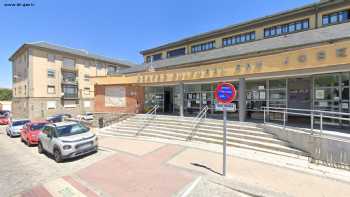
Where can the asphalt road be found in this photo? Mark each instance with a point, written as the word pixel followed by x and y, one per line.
pixel 22 167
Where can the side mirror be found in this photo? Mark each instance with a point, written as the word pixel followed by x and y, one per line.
pixel 49 135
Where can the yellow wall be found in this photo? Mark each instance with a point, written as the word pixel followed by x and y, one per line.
pixel 259 29
pixel 284 61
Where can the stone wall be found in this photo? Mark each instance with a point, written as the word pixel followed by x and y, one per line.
pixel 36 108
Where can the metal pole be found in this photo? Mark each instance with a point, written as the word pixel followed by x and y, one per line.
pixel 312 123
pixel 284 119
pixel 264 115
pixel 321 122
pixel 224 144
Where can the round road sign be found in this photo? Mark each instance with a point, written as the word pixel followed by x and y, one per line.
pixel 225 93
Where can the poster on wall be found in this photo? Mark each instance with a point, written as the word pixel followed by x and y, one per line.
pixel 115 97
pixel 319 94
pixel 262 95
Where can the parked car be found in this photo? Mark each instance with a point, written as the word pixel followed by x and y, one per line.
pixel 86 116
pixel 58 118
pixel 5 113
pixel 67 140
pixel 14 128
pixel 30 132
pixel 4 120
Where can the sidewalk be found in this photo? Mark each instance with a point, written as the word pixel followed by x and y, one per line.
pixel 145 168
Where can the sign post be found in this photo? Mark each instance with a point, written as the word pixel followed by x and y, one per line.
pixel 225 93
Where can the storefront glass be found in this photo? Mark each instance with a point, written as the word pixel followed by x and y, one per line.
pixel 256 98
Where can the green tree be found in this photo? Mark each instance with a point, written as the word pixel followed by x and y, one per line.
pixel 5 94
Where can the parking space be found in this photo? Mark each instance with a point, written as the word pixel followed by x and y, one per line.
pixel 21 167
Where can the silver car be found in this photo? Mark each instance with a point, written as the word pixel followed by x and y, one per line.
pixel 67 140
pixel 15 126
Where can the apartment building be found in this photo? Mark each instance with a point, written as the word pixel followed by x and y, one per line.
pixel 50 79
pixel 297 59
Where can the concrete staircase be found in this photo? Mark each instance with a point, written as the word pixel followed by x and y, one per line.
pixel 241 135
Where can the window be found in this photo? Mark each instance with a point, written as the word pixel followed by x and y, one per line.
pixel 148 59
pixel 69 77
pixel 155 57
pixel 50 57
pixel 70 91
pixel 111 70
pixel 50 73
pixel 51 89
pixel 87 104
pixel 86 91
pixel 68 63
pixel 86 77
pixel 203 47
pixel 286 28
pixel 176 52
pixel 69 104
pixel 336 17
pixel 242 38
pixel 51 104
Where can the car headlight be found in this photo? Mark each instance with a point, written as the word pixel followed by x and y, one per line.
pixel 67 147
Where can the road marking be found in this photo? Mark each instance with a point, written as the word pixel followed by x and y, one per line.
pixel 61 188
pixel 191 188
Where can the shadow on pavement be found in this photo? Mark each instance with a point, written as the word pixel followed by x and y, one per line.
pixel 205 167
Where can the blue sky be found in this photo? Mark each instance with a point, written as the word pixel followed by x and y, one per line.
pixel 120 29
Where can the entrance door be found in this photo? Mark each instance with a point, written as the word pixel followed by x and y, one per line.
pixel 168 100
pixel 299 93
pixel 299 97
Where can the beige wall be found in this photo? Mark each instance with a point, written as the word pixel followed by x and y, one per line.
pixel 83 67
pixel 20 73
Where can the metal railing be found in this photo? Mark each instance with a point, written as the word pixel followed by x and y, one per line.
pixel 313 114
pixel 195 122
pixel 150 115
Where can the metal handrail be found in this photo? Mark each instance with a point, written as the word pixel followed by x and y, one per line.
pixel 150 115
pixel 313 114
pixel 202 114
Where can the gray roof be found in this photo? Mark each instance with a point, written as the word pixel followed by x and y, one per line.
pixel 230 28
pixel 78 52
pixel 314 36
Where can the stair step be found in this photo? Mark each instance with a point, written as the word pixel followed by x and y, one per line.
pixel 248 136
pixel 291 153
pixel 218 135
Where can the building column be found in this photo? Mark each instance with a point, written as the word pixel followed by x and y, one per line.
pixel 242 100
pixel 181 85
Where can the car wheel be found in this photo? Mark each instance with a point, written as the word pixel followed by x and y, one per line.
pixel 40 148
pixel 28 143
pixel 57 155
pixel 22 140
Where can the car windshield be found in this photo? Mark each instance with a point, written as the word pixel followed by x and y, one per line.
pixel 89 114
pixel 19 123
pixel 73 129
pixel 38 126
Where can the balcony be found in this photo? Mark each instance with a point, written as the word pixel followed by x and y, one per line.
pixel 66 81
pixel 69 68
pixel 68 96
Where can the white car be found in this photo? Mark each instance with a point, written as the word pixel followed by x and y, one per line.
pixel 15 126
pixel 67 140
pixel 86 116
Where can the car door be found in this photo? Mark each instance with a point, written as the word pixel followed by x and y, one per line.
pixel 50 139
pixel 44 138
pixel 24 132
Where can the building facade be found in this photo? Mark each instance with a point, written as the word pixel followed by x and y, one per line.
pixel 50 79
pixel 295 59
